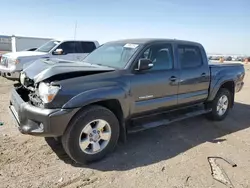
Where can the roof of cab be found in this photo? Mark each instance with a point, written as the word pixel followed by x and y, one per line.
pixel 74 40
pixel 152 40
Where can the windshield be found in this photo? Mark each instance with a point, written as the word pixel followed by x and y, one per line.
pixel 48 46
pixel 112 54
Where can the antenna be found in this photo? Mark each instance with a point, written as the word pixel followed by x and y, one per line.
pixel 75 30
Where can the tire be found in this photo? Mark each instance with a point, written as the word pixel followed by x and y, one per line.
pixel 215 114
pixel 79 131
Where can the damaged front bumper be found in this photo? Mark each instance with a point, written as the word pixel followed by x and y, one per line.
pixel 37 121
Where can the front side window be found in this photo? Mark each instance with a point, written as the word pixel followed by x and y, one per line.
pixel 68 47
pixel 48 46
pixel 114 55
pixel 189 56
pixel 161 55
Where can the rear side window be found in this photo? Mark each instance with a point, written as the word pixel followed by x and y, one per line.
pixel 87 47
pixel 189 56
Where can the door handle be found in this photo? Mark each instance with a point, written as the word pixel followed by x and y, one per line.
pixel 203 74
pixel 172 78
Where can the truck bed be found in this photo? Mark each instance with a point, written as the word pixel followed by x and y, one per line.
pixel 214 64
pixel 221 72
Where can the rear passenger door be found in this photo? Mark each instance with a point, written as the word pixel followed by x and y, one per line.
pixel 194 74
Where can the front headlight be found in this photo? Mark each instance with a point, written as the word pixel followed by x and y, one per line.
pixel 22 78
pixel 47 92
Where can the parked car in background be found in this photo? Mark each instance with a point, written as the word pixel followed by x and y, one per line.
pixel 239 59
pixel 123 86
pixel 215 58
pixel 12 63
pixel 234 58
pixel 228 58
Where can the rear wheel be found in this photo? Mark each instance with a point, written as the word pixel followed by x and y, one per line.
pixel 91 135
pixel 220 105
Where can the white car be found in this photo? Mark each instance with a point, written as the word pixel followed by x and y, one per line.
pixel 75 50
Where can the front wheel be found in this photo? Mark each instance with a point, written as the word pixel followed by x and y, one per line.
pixel 92 134
pixel 220 105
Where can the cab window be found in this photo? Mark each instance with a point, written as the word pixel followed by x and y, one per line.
pixel 161 55
pixel 189 56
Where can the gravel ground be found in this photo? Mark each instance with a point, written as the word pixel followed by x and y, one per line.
pixel 173 156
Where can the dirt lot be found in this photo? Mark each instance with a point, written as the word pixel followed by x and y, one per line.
pixel 173 156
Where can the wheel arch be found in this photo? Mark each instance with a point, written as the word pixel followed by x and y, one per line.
pixel 115 107
pixel 229 85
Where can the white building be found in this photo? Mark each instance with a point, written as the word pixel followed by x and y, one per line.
pixel 19 43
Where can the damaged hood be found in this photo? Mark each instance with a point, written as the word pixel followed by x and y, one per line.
pixel 43 69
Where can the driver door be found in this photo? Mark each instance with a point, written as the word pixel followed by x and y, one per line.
pixel 69 51
pixel 156 89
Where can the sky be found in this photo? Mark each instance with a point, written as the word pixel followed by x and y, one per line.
pixel 222 26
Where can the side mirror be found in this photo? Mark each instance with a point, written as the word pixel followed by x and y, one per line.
pixel 144 64
pixel 58 52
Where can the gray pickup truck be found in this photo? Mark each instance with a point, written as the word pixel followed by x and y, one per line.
pixel 123 86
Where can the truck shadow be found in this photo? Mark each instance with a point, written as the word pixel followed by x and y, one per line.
pixel 154 145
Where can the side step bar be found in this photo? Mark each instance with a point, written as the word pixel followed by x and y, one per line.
pixel 165 118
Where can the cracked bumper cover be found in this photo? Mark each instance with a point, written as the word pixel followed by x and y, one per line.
pixel 37 121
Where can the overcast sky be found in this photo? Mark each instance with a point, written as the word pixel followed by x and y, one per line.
pixel 222 26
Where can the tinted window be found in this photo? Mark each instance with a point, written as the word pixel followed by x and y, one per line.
pixel 87 47
pixel 189 56
pixel 161 56
pixel 68 47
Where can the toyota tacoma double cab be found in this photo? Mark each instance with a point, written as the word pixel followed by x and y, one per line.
pixel 121 87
